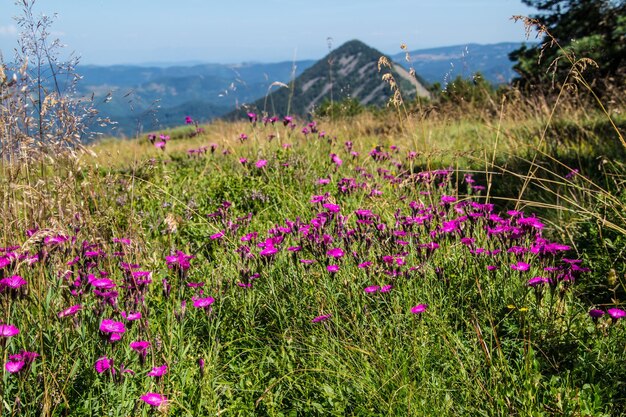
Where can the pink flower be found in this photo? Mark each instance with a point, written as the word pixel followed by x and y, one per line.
pixel 140 346
pixel 154 399
pixel 333 208
pixel 14 282
pixel 420 308
pixel 13 367
pixel 203 302
pixel 616 313
pixel 371 289
pixel 386 288
pixel 70 311
pixel 131 316
pixel 158 371
pixel 520 266
pixel 332 268
pixel 8 330
pixel 188 120
pixel 260 163
pixel 102 364
pixel 268 251
pixel 321 318
pixel 160 145
pixel 335 253
pixel 112 326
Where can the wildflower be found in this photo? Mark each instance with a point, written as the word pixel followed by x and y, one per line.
pixel 158 371
pixel 188 120
pixel 160 145
pixel 371 289
pixel 203 302
pixel 418 309
pixel 154 399
pixel 333 208
pixel 112 326
pixel 139 345
pixel 243 137
pixel 386 288
pixel 269 250
pixel 131 316
pixel 595 313
pixel 70 311
pixel 252 117
pixel 217 235
pixel 616 313
pixel 364 265
pixel 321 318
pixel 17 362
pixel 332 268
pixel 14 282
pixel 520 266
pixel 260 163
pixel 102 364
pixel 8 330
pixel 534 282
pixel 335 253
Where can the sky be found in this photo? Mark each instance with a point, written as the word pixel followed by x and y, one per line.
pixel 107 32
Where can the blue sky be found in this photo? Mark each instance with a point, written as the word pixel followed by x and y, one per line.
pixel 227 31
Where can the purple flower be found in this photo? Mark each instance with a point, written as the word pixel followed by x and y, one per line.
pixel 217 235
pixel 112 326
pixel 188 120
pixel 595 313
pixel 158 371
pixel 616 313
pixel 520 266
pixel 131 316
pixel 321 318
pixel 203 302
pixel 386 288
pixel 335 253
pixel 534 282
pixel 13 367
pixel 260 163
pixel 14 282
pixel 70 311
pixel 8 330
pixel 418 309
pixel 333 208
pixel 332 268
pixel 269 250
pixel 102 364
pixel 364 265
pixel 154 399
pixel 371 289
pixel 140 346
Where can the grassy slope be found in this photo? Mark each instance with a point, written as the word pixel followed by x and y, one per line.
pixel 487 344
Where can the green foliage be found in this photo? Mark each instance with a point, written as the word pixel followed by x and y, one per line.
pixel 571 30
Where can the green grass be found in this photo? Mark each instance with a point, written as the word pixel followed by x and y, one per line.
pixel 488 344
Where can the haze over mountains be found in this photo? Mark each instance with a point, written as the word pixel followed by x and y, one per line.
pixel 142 98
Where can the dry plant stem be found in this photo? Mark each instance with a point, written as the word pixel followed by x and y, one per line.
pixel 489 169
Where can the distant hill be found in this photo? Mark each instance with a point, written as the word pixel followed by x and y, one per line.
pixel 134 95
pixel 153 97
pixel 350 71
pixel 444 64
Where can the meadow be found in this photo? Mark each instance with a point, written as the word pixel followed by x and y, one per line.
pixel 464 260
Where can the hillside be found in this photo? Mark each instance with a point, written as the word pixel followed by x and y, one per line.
pixel 350 71
pixel 442 65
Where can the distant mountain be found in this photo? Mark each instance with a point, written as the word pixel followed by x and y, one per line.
pixel 442 65
pixel 131 94
pixel 350 71
pixel 157 96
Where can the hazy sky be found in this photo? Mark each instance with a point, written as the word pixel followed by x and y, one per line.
pixel 232 31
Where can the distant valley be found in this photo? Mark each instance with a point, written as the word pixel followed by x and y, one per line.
pixel 146 98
